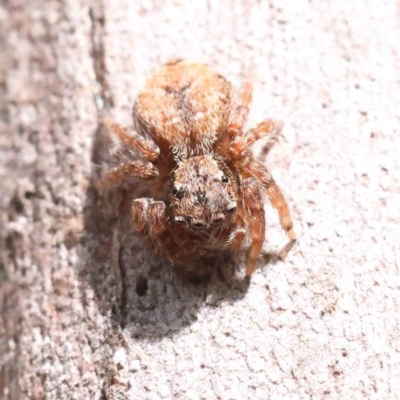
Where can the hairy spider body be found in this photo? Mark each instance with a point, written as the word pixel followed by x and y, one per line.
pixel 207 190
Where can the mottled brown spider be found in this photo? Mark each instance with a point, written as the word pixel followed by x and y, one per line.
pixel 207 189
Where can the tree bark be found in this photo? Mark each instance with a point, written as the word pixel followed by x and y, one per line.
pixel 87 312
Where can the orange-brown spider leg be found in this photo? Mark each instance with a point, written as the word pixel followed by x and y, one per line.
pixel 120 174
pixel 144 146
pixel 253 202
pixel 241 112
pixel 258 170
pixel 237 236
pixel 243 141
pixel 149 216
pixel 237 119
pixel 279 203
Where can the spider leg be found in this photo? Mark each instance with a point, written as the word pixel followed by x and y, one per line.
pixel 145 147
pixel 253 202
pixel 237 236
pixel 259 171
pixel 241 112
pixel 149 216
pixel 279 203
pixel 237 119
pixel 242 142
pixel 118 175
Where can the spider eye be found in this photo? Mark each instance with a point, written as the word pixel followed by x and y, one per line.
pixel 178 193
pixel 180 220
pixel 225 179
pixel 197 225
pixel 231 208
pixel 218 220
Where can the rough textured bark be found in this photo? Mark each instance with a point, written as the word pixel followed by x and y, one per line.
pixel 323 324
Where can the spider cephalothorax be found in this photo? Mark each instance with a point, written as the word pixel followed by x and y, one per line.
pixel 204 194
pixel 194 151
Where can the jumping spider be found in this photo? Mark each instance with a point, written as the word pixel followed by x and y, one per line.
pixel 207 189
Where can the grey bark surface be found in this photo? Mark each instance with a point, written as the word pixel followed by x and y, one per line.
pixel 322 324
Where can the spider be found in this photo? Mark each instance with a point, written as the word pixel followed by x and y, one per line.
pixel 194 153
